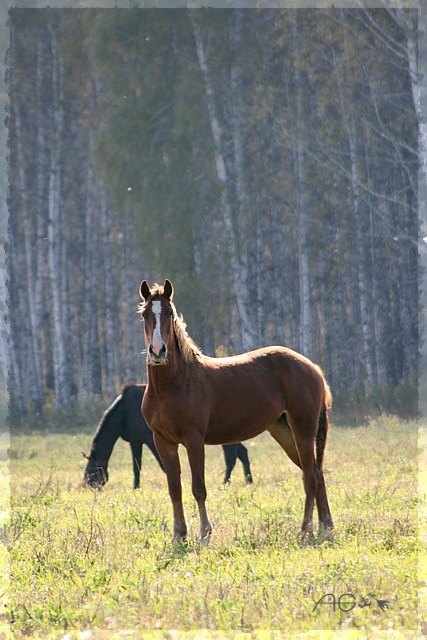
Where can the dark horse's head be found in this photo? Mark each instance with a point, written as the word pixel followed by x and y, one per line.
pixel 157 312
pixel 96 472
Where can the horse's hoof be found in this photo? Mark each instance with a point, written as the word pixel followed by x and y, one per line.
pixel 306 536
pixel 205 537
pixel 204 542
pixel 179 538
pixel 326 532
pixel 249 479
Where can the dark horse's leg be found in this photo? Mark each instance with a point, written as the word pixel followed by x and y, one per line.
pixel 136 447
pixel 149 441
pixel 168 452
pixel 242 454
pixel 195 446
pixel 230 456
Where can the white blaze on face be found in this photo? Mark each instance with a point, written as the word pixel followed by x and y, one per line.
pixel 157 342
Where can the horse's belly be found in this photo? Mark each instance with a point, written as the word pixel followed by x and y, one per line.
pixel 226 431
pixel 231 436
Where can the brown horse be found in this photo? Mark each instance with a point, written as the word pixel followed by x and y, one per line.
pixel 193 400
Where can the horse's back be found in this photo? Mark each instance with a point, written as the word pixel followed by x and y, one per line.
pixel 249 392
pixel 134 426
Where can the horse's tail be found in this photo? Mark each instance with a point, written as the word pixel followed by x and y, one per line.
pixel 327 398
pixel 323 425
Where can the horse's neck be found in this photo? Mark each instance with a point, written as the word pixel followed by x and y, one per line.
pixel 174 373
pixel 106 437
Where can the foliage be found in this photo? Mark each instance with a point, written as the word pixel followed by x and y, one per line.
pixel 120 136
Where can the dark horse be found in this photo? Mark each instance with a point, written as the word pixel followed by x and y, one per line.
pixel 124 419
pixel 192 399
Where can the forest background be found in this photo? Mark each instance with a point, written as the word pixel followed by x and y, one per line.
pixel 265 160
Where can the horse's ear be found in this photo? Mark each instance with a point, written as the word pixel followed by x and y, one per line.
pixel 144 290
pixel 168 289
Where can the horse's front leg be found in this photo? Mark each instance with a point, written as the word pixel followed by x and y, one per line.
pixel 196 456
pixel 168 452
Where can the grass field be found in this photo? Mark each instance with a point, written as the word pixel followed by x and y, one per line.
pixel 82 562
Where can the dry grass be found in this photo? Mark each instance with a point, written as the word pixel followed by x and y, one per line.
pixel 86 562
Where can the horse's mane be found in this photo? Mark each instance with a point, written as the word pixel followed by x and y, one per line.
pixel 189 349
pixel 103 424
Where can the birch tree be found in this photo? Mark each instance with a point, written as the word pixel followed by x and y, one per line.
pixel 56 228
pixel 237 268
pixel 302 214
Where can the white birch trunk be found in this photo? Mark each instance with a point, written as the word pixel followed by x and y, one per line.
pixel 55 234
pixel 110 292
pixel 91 375
pixel 376 330
pixel 302 218
pixel 362 289
pixel 42 199
pixel 4 329
pixel 17 295
pixel 133 340
pixel 236 266
pixel 109 306
pixel 259 266
pixel 34 378
pixel 422 126
pixel 361 271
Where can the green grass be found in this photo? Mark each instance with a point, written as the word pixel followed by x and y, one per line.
pixel 104 561
pixel 4 515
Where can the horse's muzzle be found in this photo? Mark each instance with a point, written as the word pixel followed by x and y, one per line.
pixel 96 479
pixel 158 358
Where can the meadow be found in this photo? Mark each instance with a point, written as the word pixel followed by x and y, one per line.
pixel 88 564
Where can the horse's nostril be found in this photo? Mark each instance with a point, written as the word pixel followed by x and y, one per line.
pixel 150 349
pixel 162 350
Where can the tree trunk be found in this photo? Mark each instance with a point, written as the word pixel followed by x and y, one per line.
pixel 18 363
pixel 241 208
pixel 238 277
pixel 362 280
pixel 109 296
pixel 376 330
pixel 56 232
pixel 305 345
pixel 42 203
pixel 133 367
pixel 27 257
pixel 91 364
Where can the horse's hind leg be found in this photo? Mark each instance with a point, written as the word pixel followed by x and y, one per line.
pixel 283 435
pixel 325 518
pixel 136 448
pixel 303 432
pixel 242 454
pixel 230 457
